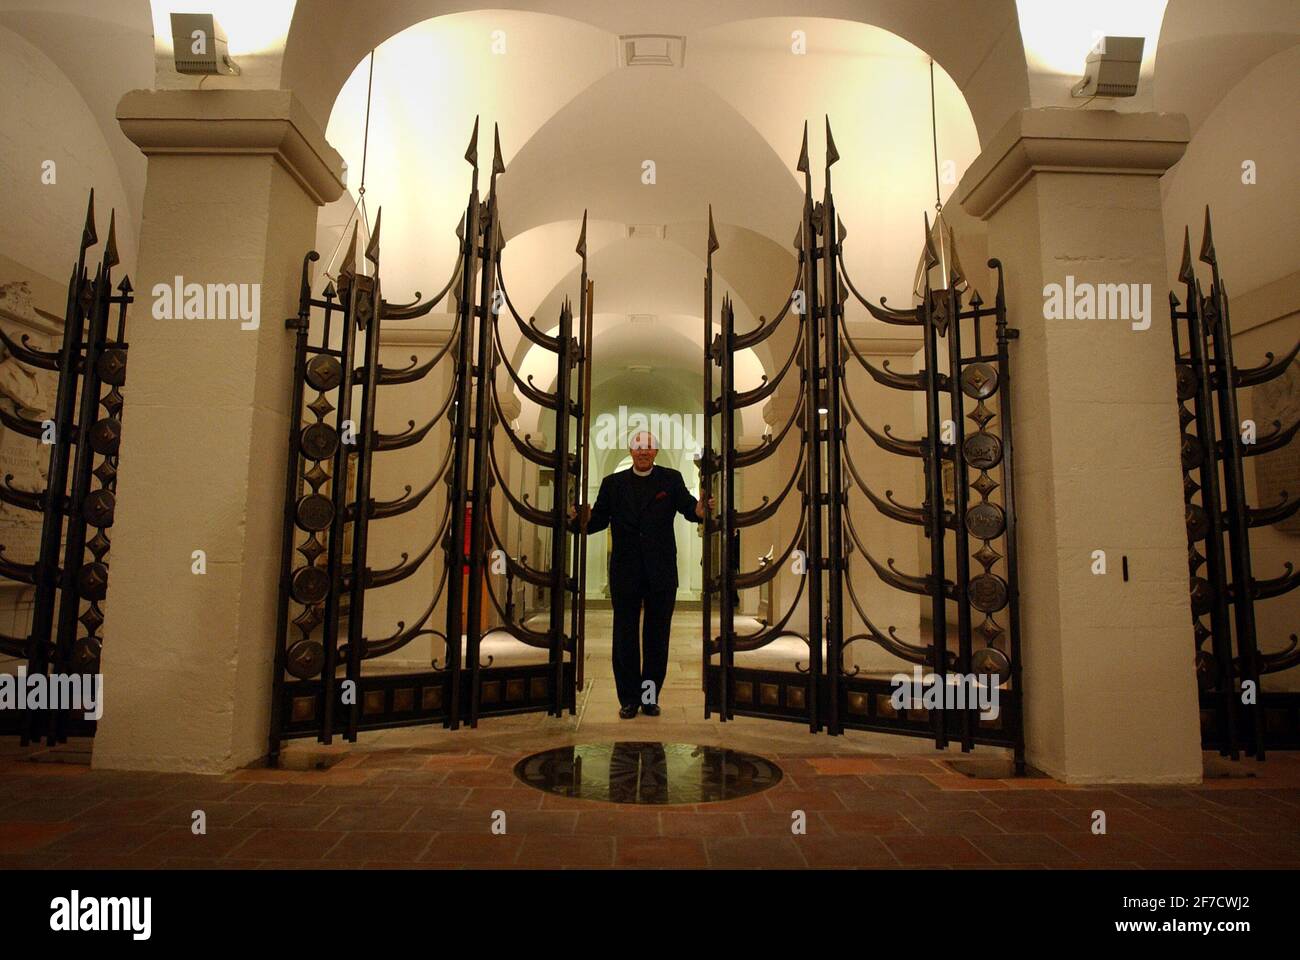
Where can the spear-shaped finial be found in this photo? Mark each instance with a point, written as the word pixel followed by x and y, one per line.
pixel 931 256
pixel 1185 272
pixel 372 248
pixel 831 153
pixel 349 266
pixel 802 165
pixel 88 236
pixel 581 248
pixel 498 165
pixel 110 248
pixel 1207 241
pixel 713 234
pixel 471 152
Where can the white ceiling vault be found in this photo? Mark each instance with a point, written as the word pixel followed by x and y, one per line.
pixel 722 128
pixel 722 124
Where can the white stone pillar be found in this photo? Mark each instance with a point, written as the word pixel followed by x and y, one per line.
pixel 234 182
pixel 1108 664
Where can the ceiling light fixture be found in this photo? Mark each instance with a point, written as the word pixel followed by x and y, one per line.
pixel 1112 68
pixel 199 46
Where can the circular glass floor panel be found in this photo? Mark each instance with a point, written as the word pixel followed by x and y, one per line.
pixel 641 772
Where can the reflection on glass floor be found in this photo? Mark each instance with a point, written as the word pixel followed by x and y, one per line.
pixel 651 773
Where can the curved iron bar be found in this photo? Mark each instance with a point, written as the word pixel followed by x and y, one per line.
pixel 538 578
pixel 898 381
pixel 903 381
pixel 747 518
pixel 409 311
pixel 521 633
pixel 887 314
pixel 543 458
pixel 382 509
pixel 540 397
pixel 1281 659
pixel 911 583
pixel 761 638
pixel 407 438
pixel 391 575
pixel 910 652
pixel 747 398
pixel 526 511
pixel 404 635
pixel 20 424
pixel 886 441
pixel 529 329
pixel 1274 586
pixel 905 448
pixel 755 578
pixel 766 328
pixel 1253 376
pixel 13 646
pixel 379 509
pixel 895 510
pixel 889 506
pixel 30 499
pixel 1260 516
pixel 532 638
pixel 747 458
pixel 1276 440
pixel 411 436
pixel 28 354
pixel 413 373
pixel 22 572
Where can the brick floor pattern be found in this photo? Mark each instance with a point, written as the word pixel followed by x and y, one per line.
pixel 426 807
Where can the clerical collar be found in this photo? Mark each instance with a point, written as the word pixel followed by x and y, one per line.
pixel 643 474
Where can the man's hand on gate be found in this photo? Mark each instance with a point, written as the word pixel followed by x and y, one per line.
pixel 700 507
pixel 586 515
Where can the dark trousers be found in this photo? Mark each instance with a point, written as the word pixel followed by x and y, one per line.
pixel 632 668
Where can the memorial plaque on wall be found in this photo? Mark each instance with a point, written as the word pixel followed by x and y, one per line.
pixel 1280 470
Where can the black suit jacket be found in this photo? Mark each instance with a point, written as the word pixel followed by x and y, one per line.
pixel 645 551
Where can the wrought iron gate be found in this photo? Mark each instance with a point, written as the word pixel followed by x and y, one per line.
pixel 83 430
pixel 1236 713
pixel 970 383
pixel 321 686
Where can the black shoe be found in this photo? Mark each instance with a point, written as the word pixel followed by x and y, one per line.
pixel 650 709
pixel 627 713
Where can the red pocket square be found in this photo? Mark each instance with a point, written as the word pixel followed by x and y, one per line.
pixel 661 494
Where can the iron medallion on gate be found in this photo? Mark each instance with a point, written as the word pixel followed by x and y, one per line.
pixel 979 381
pixel 309 584
pixel 306 657
pixel 319 441
pixel 988 593
pixel 986 520
pixel 314 512
pixel 983 451
pixel 324 372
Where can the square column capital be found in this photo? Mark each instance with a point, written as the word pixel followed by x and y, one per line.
pixel 1061 140
pixel 238 123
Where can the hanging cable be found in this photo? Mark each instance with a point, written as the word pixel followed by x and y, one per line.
pixel 934 134
pixel 361 188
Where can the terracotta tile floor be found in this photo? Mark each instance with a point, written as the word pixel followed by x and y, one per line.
pixel 433 806
pixel 425 797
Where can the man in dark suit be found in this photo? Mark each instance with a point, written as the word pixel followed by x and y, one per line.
pixel 638 506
